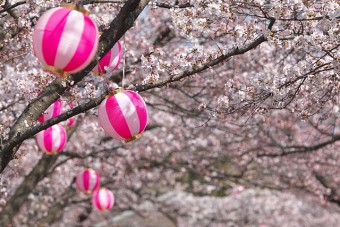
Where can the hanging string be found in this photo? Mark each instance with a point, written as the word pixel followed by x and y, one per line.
pixel 124 54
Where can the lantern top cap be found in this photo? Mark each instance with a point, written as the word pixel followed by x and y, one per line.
pixel 115 91
pixel 133 138
pixel 78 8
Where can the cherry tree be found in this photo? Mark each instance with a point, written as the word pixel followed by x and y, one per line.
pixel 239 93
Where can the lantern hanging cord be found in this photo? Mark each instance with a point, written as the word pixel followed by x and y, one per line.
pixel 124 54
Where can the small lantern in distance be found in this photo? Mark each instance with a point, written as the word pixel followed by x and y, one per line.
pixel 103 199
pixel 52 111
pixel 88 181
pixel 70 122
pixel 52 140
pixel 110 61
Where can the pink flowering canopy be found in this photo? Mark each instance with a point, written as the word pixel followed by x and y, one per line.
pixel 240 96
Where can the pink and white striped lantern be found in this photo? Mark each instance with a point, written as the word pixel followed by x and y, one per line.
pixel 123 116
pixel 52 140
pixel 65 40
pixel 110 61
pixel 103 199
pixel 52 111
pixel 88 181
pixel 70 122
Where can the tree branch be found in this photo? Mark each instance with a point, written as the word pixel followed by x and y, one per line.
pixel 289 150
pixel 220 59
pixel 168 6
pixel 8 8
pixel 19 138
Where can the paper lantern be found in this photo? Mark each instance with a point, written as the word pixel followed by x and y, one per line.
pixel 52 140
pixel 110 61
pixel 65 40
pixel 88 181
pixel 123 116
pixel 70 122
pixel 52 111
pixel 103 199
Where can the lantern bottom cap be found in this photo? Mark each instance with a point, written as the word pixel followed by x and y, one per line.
pixel 104 210
pixel 133 138
pixel 97 74
pixel 51 153
pixel 88 192
pixel 78 8
pixel 55 70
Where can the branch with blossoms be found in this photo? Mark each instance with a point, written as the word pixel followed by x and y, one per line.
pixel 22 133
pixel 178 6
pixel 7 7
pixel 334 192
pixel 23 127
